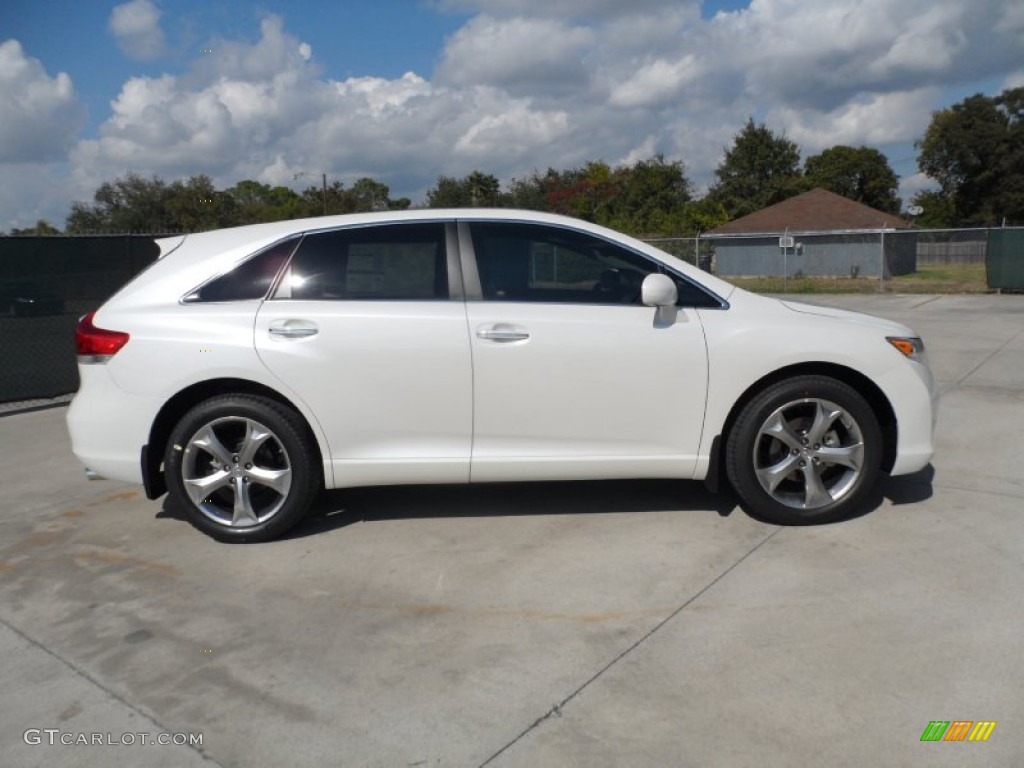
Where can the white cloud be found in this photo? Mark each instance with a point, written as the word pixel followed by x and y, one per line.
pixel 39 115
pixel 913 184
pixel 528 84
pixel 276 51
pixel 261 111
pixel 136 27
pixel 30 192
pixel 657 82
pixel 519 55
pixel 517 131
pixel 877 119
pixel 563 8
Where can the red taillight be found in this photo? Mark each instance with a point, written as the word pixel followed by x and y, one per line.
pixel 97 345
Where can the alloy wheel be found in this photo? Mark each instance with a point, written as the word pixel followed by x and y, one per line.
pixel 236 471
pixel 809 453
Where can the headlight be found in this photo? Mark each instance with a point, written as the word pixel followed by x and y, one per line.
pixel 911 346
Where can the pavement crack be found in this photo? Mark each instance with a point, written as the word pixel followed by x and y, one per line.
pixel 998 493
pixel 956 384
pixel 927 301
pixel 106 689
pixel 556 709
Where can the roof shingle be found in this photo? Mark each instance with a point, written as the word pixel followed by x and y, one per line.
pixel 817 210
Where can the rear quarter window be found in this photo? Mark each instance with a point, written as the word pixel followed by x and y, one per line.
pixel 252 279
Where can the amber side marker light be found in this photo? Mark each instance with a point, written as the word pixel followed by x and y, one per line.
pixel 910 347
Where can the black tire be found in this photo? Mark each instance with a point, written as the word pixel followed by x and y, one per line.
pixel 248 445
pixel 779 449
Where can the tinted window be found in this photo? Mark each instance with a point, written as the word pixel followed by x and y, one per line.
pixel 532 262
pixel 249 280
pixel 397 261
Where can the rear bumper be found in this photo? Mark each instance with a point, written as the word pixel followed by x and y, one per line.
pixel 108 426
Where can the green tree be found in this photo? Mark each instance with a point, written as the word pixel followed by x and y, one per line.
pixel 937 210
pixel 255 202
pixel 320 201
pixel 532 192
pixel 371 195
pixel 448 192
pixel 760 169
pixel 128 204
pixel 974 150
pixel 703 216
pixel 586 193
pixel 477 190
pixel 136 204
pixel 652 197
pixel 196 206
pixel 42 227
pixel 859 173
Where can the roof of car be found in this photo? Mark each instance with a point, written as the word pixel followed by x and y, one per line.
pixel 269 231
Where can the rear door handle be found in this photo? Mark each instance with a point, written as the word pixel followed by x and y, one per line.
pixel 292 329
pixel 502 334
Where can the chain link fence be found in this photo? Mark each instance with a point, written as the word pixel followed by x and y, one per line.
pixel 48 282
pixel 825 260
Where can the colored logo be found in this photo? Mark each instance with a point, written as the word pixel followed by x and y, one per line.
pixel 958 730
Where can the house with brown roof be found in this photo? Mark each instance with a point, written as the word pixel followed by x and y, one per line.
pixel 817 233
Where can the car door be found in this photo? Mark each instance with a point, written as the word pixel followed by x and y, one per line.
pixel 573 377
pixel 368 328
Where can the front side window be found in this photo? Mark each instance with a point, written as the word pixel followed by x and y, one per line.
pixel 537 263
pixel 249 280
pixel 395 261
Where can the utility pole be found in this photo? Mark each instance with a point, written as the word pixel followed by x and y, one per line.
pixel 881 258
pixel 323 176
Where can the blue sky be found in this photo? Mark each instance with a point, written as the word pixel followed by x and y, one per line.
pixel 404 91
pixel 385 38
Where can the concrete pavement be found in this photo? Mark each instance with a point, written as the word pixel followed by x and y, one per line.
pixel 596 624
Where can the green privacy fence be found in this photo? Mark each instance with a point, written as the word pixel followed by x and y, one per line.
pixel 1004 261
pixel 46 284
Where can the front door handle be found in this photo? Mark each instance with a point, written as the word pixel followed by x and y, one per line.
pixel 502 334
pixel 291 330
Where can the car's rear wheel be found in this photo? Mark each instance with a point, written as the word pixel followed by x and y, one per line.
pixel 241 468
pixel 805 450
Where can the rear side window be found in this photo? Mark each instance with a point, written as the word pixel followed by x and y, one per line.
pixel 394 261
pixel 251 279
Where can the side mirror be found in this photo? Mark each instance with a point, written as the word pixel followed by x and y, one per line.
pixel 658 290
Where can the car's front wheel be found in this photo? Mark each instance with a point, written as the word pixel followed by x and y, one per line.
pixel 241 468
pixel 805 450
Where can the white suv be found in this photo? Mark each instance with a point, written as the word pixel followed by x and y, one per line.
pixel 249 368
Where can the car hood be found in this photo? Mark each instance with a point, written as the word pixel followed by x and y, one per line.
pixel 887 326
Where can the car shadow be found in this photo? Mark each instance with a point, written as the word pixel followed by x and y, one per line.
pixel 909 489
pixel 340 508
